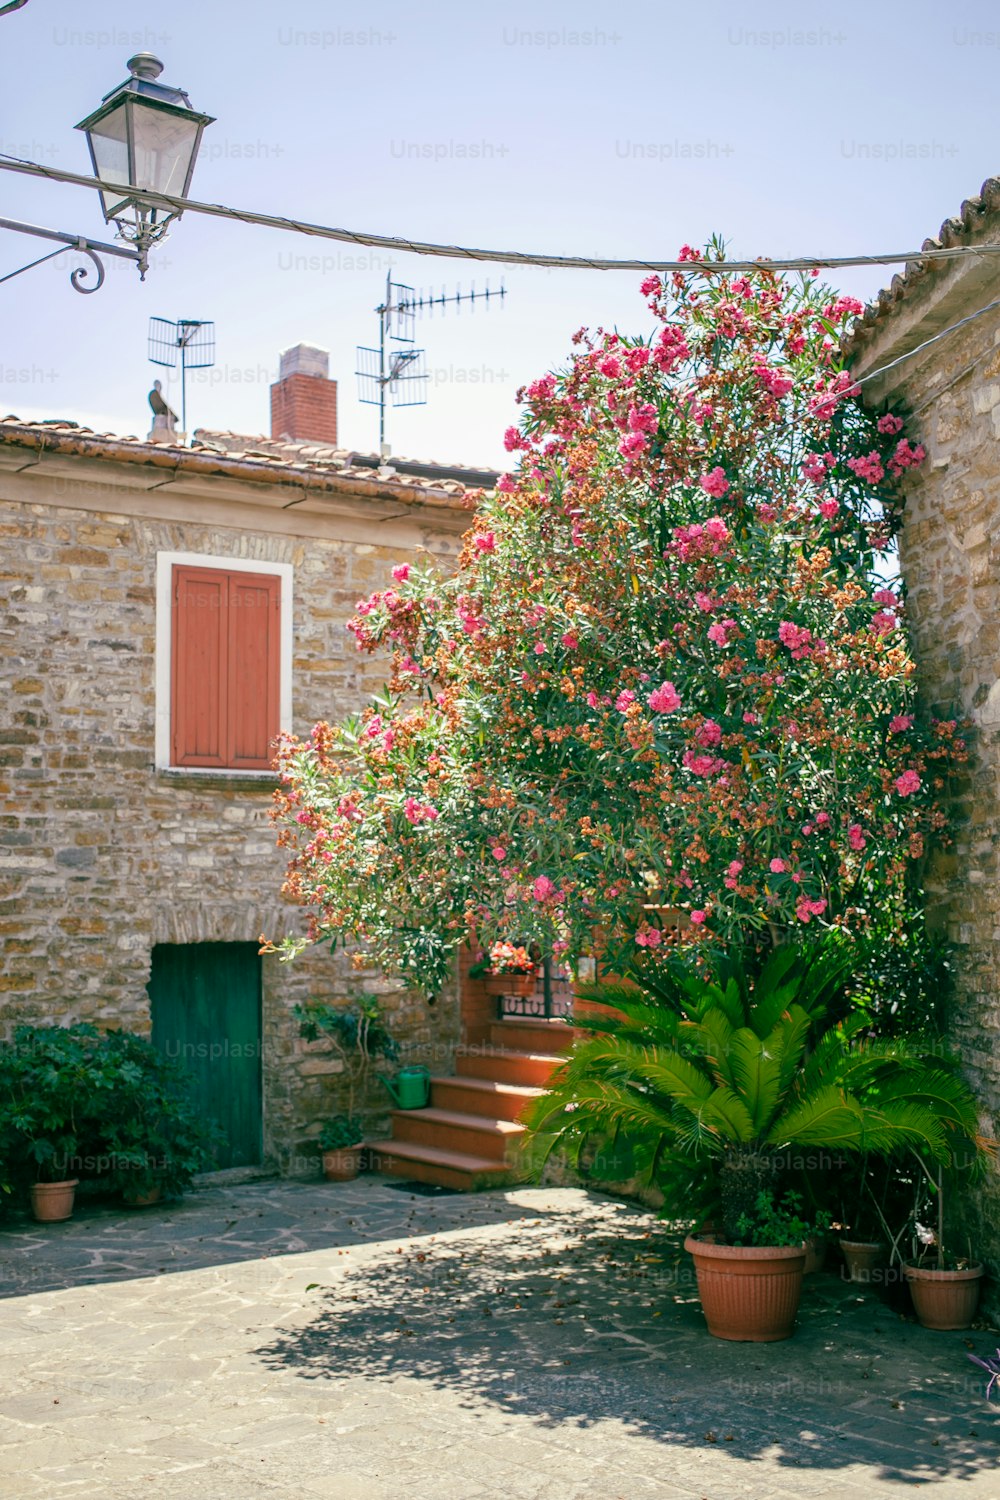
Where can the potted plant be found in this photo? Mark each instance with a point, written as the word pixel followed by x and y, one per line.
pixel 944 1287
pixel 717 1069
pixel 510 970
pixel 357 1033
pixel 340 1145
pixel 750 1286
pixel 47 1085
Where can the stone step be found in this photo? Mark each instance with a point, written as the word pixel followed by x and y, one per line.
pixel 475 1135
pixel 533 1068
pixel 527 1035
pixel 483 1096
pixel 454 1169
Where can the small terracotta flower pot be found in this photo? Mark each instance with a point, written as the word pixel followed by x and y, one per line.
pixel 749 1293
pixel 944 1299
pixel 52 1202
pixel 815 1254
pixel 143 1200
pixel 343 1164
pixel 865 1260
pixel 522 985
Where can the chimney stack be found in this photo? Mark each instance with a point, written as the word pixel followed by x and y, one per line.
pixel 304 401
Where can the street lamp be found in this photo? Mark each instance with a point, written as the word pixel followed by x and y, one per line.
pixel 144 139
pixel 144 135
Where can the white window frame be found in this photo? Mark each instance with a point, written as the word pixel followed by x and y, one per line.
pixel 165 564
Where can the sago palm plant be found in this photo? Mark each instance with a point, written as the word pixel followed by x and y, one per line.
pixel 713 1077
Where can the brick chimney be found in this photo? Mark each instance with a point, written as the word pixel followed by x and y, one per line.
pixel 304 401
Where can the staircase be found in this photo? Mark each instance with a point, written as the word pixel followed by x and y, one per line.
pixel 467 1136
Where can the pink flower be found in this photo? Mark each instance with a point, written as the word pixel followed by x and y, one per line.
pixel 869 468
pixel 624 700
pixel 543 889
pixel 882 623
pixel 777 867
pixel 856 837
pixel 651 287
pixel 610 366
pixel 822 820
pixel 499 853
pixel 543 389
pixel 795 637
pixel 698 917
pixel 651 938
pixel 592 699
pixel 571 640
pixel 718 631
pixel 732 873
pixel 664 699
pixel 705 602
pixel 401 572
pixel 418 812
pixel 804 908
pixel 710 734
pixel 633 445
pixel 750 717
pixel 714 483
pixel 890 423
pixel 539 648
pixel 828 509
pixel 900 723
pixel 716 528
pixel 701 765
pixel 908 783
pixel 886 597
pixel 643 418
pixel 484 541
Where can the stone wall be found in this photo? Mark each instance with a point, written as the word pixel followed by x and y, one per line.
pixel 101 855
pixel 950 560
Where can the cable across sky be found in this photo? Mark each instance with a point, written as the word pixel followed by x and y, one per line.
pixel 494 257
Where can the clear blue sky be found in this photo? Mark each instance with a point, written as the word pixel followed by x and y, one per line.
pixel 619 130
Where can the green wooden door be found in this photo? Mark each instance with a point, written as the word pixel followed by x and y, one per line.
pixel 205 1000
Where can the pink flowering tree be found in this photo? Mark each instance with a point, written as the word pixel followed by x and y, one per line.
pixel 667 690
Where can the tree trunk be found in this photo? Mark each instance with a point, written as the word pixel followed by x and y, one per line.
pixel 747 1171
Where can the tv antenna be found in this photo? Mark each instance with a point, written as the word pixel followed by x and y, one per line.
pixel 400 375
pixel 188 342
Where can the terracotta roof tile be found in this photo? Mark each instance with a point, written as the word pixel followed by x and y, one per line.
pixel 260 459
pixel 970 225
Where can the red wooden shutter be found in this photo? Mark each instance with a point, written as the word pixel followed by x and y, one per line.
pixel 225 668
pixel 254 669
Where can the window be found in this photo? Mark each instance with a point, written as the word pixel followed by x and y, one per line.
pixel 223 662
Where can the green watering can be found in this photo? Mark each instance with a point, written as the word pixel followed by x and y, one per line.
pixel 412 1088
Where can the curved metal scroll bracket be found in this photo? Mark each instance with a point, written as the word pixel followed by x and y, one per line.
pixel 79 274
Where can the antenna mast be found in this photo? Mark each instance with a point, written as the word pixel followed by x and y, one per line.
pixel 401 373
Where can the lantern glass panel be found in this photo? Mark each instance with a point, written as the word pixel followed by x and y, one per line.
pixel 164 149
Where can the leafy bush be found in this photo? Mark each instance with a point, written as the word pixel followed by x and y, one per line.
pixel 717 1078
pixel 77 1102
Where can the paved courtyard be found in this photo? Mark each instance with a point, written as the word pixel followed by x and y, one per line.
pixel 360 1342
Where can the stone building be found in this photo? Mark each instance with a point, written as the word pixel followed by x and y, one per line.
pixel 163 612
pixel 950 560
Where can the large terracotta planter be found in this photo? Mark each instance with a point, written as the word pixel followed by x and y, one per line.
pixel 749 1293
pixel 522 985
pixel 51 1202
pixel 343 1164
pixel 944 1299
pixel 864 1259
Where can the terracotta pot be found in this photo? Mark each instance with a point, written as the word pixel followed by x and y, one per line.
pixel 815 1254
pixel 143 1200
pixel 523 985
pixel 343 1164
pixel 865 1260
pixel 944 1299
pixel 53 1201
pixel 749 1293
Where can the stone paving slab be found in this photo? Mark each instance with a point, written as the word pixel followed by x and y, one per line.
pixel 281 1339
